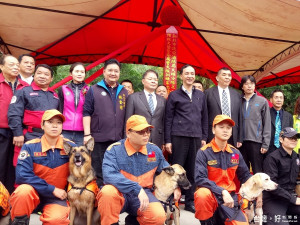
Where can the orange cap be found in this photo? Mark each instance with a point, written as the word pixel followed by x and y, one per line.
pixel 137 123
pixel 221 118
pixel 48 114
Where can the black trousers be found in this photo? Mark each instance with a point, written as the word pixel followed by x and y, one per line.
pixel 184 150
pixel 7 170
pixel 280 212
pixel 97 159
pixel 251 154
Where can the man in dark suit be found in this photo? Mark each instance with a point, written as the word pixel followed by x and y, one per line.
pixel 223 100
pixel 152 107
pixel 278 123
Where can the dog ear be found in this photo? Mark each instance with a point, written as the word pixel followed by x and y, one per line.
pixel 67 147
pixel 169 170
pixel 257 180
pixel 90 144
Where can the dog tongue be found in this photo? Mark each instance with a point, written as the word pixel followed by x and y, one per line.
pixel 78 163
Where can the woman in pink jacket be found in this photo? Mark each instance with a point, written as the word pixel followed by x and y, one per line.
pixel 72 97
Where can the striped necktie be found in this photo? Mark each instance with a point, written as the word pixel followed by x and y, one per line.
pixel 151 104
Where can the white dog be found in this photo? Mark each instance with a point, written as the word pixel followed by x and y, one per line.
pixel 253 188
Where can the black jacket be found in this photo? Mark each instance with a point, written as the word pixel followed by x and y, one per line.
pixel 184 116
pixel 283 169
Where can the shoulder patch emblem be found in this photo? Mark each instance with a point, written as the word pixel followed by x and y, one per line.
pixel 112 145
pixel 13 99
pixel 23 155
pixel 212 162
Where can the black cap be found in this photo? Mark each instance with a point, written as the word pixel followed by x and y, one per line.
pixel 289 132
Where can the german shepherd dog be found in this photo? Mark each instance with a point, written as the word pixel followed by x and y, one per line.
pixel 164 186
pixel 82 188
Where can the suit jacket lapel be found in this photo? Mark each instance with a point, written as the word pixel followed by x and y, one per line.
pixel 159 103
pixel 144 100
pixel 217 96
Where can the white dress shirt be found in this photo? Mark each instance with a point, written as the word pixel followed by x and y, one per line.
pixel 153 98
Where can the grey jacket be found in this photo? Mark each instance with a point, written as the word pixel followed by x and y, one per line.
pixel 257 121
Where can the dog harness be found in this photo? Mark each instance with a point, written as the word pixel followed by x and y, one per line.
pixel 91 186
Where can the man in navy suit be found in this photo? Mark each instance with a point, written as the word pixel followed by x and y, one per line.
pixel 216 106
pixel 285 119
pixel 151 107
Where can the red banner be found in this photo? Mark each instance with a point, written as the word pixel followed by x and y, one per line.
pixel 170 69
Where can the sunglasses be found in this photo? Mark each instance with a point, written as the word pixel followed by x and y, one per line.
pixel 142 132
pixel 292 138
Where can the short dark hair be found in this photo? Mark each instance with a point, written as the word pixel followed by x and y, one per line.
pixel 3 57
pixel 149 71
pixel 76 64
pixel 245 79
pixel 45 66
pixel 276 90
pixel 21 57
pixel 111 61
pixel 162 85
pixel 223 68
pixel 198 82
pixel 126 80
pixel 185 66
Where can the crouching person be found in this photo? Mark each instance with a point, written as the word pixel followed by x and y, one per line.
pixel 217 163
pixel 4 201
pixel 42 172
pixel 129 167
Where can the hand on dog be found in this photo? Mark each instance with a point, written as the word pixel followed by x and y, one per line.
pixel 60 193
pixel 228 200
pixel 168 147
pixel 144 200
pixel 177 194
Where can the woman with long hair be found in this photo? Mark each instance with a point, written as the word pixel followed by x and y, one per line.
pixel 72 97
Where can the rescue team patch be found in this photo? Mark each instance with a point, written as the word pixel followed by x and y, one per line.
pixel 23 155
pixel 39 154
pixel 235 158
pixel 212 162
pixel 151 156
pixel 33 93
pixel 13 99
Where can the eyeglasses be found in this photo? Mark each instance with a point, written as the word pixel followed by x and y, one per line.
pixel 292 138
pixel 142 132
pixel 152 79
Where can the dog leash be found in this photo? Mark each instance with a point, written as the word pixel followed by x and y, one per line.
pixel 169 203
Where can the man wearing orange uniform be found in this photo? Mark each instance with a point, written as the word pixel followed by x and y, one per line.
pixel 129 167
pixel 42 172
pixel 217 163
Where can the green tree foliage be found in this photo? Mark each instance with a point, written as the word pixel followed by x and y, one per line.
pixel 131 72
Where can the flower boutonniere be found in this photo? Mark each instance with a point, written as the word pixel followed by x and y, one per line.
pixel 84 90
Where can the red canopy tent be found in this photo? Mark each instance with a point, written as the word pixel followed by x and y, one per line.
pixel 241 34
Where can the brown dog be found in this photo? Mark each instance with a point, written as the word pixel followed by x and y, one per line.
pixel 164 186
pixel 82 188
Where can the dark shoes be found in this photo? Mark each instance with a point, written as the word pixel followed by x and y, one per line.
pixel 20 220
pixel 189 207
pixel 131 220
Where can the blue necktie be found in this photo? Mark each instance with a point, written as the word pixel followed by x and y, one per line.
pixel 151 104
pixel 277 130
pixel 225 104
